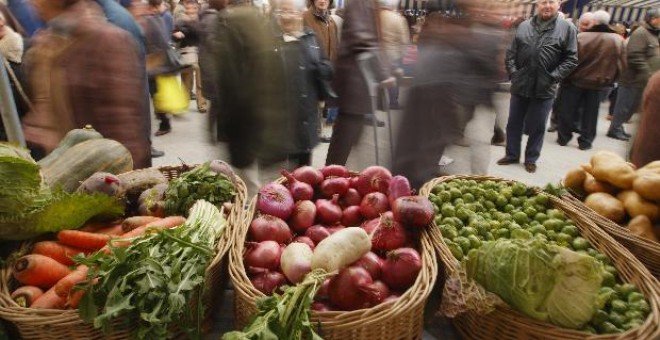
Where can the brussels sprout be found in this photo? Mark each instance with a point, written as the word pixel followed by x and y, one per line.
pixel 516 201
pixel 625 289
pixel 553 224
pixel 489 236
pixel 507 193
pixel 589 329
pixel 632 324
pixel 570 230
pixel 542 237
pixel 437 189
pixel 609 280
pixel 455 193
pixel 489 205
pixel 475 242
pixel 617 319
pixel 641 306
pixel 552 235
pixel 605 295
pixel 464 243
pixel 448 231
pixel 520 217
pixel 564 238
pixel 542 199
pixel 501 201
pixel 602 258
pixel 519 189
pixel 502 233
pixel 600 316
pixel 445 196
pixel 611 269
pixel 619 306
pixel 608 328
pixel 467 231
pixel 530 212
pixel 538 229
pixel 463 214
pixel 580 243
pixel 456 250
pixel 448 211
pixel 508 208
pixel 556 213
pixel 540 217
pixel 593 252
pixel 521 234
pixel 633 315
pixel 469 198
pixel 635 296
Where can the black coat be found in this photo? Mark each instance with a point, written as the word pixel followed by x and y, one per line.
pixel 539 59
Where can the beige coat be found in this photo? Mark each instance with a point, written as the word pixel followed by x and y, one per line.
pixel 396 35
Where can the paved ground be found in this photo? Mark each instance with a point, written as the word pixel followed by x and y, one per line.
pixel 189 143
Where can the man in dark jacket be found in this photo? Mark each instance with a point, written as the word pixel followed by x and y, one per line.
pixel 643 56
pixel 601 56
pixel 543 52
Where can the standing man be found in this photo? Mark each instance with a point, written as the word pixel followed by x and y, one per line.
pixel 643 60
pixel 600 61
pixel 543 52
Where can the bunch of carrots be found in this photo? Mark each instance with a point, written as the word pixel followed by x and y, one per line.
pixel 49 273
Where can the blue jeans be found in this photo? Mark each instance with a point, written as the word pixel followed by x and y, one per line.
pixel 532 115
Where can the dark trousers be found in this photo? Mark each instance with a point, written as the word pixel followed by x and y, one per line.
pixel 532 115
pixel 628 100
pixel 345 134
pixel 572 98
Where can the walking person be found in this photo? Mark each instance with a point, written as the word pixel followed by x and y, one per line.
pixel 11 49
pixel 643 59
pixel 187 35
pixel 543 52
pixel 601 58
pixel 396 37
pixel 646 147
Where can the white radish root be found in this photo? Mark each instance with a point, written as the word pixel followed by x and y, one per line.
pixel 340 249
pixel 296 261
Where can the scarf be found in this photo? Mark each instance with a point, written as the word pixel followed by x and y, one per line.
pixel 322 15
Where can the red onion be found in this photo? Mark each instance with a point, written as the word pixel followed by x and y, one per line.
pixel 335 229
pixel 351 216
pixel 324 291
pixel 274 199
pixel 374 178
pixel 268 282
pixel 391 298
pixel 320 307
pixel 374 204
pixel 335 170
pixel 386 233
pixel 270 228
pixel 372 263
pixel 353 181
pixel 401 268
pixel 265 254
pixel 351 197
pixel 327 211
pixel 308 175
pixel 299 190
pixel 413 211
pixel 334 186
pixel 380 292
pixel 351 289
pixel 399 187
pixel 303 216
pixel 317 233
pixel 306 240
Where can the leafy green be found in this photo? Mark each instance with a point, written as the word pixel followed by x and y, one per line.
pixel 284 316
pixel 20 180
pixel 198 183
pixel 545 282
pixel 156 279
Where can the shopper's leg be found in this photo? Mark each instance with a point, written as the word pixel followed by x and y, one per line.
pixel 589 124
pixel 535 121
pixel 202 103
pixel 514 127
pixel 346 133
pixel 187 79
pixel 566 111
pixel 627 102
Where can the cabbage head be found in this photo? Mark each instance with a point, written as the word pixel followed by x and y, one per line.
pixel 546 282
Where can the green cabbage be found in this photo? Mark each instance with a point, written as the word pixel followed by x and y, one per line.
pixel 546 282
pixel 20 180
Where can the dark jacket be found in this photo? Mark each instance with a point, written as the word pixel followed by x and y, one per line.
pixel 359 34
pixel 538 60
pixel 646 147
pixel 643 56
pixel 601 58
pixel 208 25
pixel 190 30
pixel 325 30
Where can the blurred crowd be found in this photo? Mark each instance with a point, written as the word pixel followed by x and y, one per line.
pixel 274 76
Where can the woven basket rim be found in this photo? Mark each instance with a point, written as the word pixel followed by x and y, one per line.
pixel 640 276
pixel 414 296
pixel 12 312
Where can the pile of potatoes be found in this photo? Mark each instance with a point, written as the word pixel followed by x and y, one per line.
pixel 617 190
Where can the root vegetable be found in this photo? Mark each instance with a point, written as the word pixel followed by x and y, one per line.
pixel 324 292
pixel 372 263
pixel 341 249
pixel 299 190
pixel 399 187
pixel 648 186
pixel 63 287
pixel 641 226
pixel 274 199
pixel 317 233
pixel 413 211
pixel 351 198
pixel 379 292
pixel 335 170
pixel 82 239
pixel 386 233
pixel 296 261
pixel 635 205
pixel 136 222
pixel 351 216
pixel 49 300
pixel 320 307
pixel 574 179
pixel 352 289
pixel 270 228
pixel 606 205
pixel 306 240
pixel 308 175
pixel 26 295
pixel 265 255
pixel 334 186
pixel 58 252
pixel 115 230
pixel 373 178
pixel 328 211
pixel 38 270
pixel 401 268
pixel 592 185
pixel 611 168
pixel 303 216
pixel 102 182
pixel 374 204
pixel 268 282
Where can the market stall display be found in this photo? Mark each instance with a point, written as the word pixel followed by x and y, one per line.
pixel 622 200
pixel 559 275
pixel 351 247
pixel 146 251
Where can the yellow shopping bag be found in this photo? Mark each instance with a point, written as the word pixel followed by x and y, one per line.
pixel 171 95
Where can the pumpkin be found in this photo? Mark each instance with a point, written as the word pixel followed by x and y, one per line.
pixel 73 137
pixel 84 159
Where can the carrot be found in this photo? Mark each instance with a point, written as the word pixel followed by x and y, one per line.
pixel 58 252
pixel 49 300
pixel 83 239
pixel 26 295
pixel 74 299
pixel 137 221
pixel 39 270
pixel 63 286
pixel 167 222
pixel 114 230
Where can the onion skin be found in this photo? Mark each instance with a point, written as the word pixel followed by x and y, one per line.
pixel 372 263
pixel 335 229
pixel 268 282
pixel 269 228
pixel 401 268
pixel 320 307
pixel 351 197
pixel 324 292
pixel 306 240
pixel 373 204
pixel 373 178
pixel 317 233
pixel 391 298
pixel 327 211
pixel 351 216
pixel 399 187
pixel 303 216
pixel 413 211
pixel 308 175
pixel 264 255
pixel 275 199
pixel 380 292
pixel 350 289
pixel 387 234
pixel 335 170
pixel 300 191
pixel 334 186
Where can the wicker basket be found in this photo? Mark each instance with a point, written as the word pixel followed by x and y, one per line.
pixel 647 251
pixel 400 319
pixel 505 323
pixel 66 324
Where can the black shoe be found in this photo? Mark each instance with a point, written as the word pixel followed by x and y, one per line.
pixel 626 134
pixel 618 135
pixel 507 161
pixel 561 142
pixel 530 167
pixel 552 128
pixel 156 153
pixel 161 132
pixel 379 123
pixel 585 147
pixel 325 139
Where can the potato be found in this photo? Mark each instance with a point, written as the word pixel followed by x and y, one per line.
pixel 635 205
pixel 587 168
pixel 341 249
pixel 606 205
pixel 574 179
pixel 592 185
pixel 641 226
pixel 653 167
pixel 647 185
pixel 611 168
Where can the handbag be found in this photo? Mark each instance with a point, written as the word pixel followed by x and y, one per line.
pixel 171 95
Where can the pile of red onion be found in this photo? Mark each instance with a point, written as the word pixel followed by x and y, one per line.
pixel 312 204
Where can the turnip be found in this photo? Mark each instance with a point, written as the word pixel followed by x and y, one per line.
pixel 341 249
pixel 296 261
